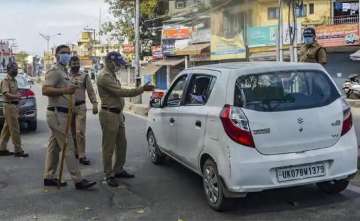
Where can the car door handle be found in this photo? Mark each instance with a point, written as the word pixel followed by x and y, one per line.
pixel 172 120
pixel 198 123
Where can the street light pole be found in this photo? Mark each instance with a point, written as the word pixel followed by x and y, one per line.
pixel 137 45
pixel 48 38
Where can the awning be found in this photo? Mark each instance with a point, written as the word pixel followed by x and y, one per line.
pixel 149 69
pixel 194 49
pixel 169 62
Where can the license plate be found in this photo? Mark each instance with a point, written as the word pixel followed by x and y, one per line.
pixel 300 172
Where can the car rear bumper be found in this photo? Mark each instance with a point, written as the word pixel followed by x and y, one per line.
pixel 251 171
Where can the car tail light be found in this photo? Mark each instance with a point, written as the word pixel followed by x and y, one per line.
pixel 236 125
pixel 27 93
pixel 347 121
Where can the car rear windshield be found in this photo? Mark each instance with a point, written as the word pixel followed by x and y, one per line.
pixel 284 90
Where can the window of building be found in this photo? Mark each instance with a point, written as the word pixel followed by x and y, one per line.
pixel 311 8
pixel 301 11
pixel 273 13
pixel 180 4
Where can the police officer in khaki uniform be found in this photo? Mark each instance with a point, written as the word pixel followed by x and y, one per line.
pixel 11 126
pixel 112 119
pixel 58 88
pixel 311 51
pixel 84 84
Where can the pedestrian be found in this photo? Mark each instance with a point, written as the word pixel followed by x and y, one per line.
pixel 311 51
pixel 58 89
pixel 112 119
pixel 11 128
pixel 84 84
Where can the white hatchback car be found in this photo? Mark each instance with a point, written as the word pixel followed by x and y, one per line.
pixel 249 127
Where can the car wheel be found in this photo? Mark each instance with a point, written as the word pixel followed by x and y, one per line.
pixel 213 187
pixel 32 125
pixel 334 186
pixel 155 154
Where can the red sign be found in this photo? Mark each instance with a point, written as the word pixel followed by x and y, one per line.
pixel 128 48
pixel 338 35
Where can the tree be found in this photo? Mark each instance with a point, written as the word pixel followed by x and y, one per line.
pixel 122 26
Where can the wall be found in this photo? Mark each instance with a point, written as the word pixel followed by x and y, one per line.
pixel 322 10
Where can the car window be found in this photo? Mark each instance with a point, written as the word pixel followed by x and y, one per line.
pixel 199 89
pixel 176 92
pixel 285 90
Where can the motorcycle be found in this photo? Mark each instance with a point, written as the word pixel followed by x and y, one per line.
pixel 351 87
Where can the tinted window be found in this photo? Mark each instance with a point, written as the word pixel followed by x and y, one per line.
pixel 176 92
pixel 287 90
pixel 199 90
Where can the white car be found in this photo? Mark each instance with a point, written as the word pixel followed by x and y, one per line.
pixel 249 127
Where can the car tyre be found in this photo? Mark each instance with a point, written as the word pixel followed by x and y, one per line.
pixel 213 187
pixel 32 125
pixel 154 152
pixel 334 186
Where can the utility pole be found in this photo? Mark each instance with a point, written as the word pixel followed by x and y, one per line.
pixel 137 45
pixel 279 48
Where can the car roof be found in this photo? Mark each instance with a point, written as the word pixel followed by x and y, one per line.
pixel 257 66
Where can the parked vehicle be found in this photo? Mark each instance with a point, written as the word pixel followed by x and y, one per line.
pixel 249 127
pixel 351 87
pixel 27 104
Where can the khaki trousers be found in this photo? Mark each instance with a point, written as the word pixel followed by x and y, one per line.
pixel 113 142
pixel 57 124
pixel 11 128
pixel 79 130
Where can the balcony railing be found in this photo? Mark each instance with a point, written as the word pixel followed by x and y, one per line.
pixel 351 19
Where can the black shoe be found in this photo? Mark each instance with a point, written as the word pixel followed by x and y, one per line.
pixel 84 184
pixel 53 182
pixel 111 181
pixel 84 161
pixel 6 153
pixel 124 174
pixel 21 154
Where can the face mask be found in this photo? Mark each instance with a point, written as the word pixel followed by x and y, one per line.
pixel 75 69
pixel 308 40
pixel 64 59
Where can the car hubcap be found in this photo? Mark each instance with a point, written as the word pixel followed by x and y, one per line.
pixel 152 147
pixel 211 185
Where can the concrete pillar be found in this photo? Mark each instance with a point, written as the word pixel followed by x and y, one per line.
pixel 168 70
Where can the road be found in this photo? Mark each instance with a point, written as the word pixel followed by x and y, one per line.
pixel 169 192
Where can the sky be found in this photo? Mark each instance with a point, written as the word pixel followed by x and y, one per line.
pixel 23 20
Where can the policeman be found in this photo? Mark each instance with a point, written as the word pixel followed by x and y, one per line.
pixel 58 89
pixel 83 82
pixel 112 119
pixel 11 126
pixel 311 51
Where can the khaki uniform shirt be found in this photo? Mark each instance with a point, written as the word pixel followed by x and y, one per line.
pixel 111 93
pixel 313 54
pixel 58 77
pixel 9 85
pixel 84 83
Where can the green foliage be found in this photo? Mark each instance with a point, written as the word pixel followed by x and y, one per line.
pixel 21 59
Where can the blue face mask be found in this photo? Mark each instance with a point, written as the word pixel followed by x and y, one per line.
pixel 308 40
pixel 64 59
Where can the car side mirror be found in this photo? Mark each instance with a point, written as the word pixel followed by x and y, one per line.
pixel 155 103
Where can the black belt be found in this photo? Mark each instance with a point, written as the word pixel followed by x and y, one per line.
pixel 59 109
pixel 112 110
pixel 12 102
pixel 78 103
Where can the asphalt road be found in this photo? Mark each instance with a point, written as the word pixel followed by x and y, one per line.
pixel 169 192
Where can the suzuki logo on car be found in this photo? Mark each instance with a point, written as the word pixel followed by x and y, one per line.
pixel 300 120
